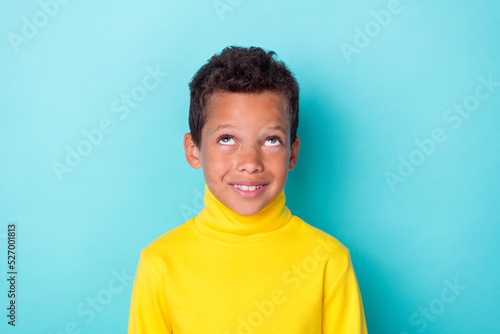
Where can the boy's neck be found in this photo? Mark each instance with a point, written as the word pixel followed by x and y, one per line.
pixel 221 221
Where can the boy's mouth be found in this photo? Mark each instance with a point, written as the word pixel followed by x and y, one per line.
pixel 247 188
pixel 248 191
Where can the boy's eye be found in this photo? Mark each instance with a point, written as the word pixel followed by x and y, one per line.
pixel 273 141
pixel 226 140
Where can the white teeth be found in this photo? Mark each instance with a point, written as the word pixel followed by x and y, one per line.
pixel 247 188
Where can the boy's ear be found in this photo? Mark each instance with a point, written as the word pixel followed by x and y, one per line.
pixel 192 152
pixel 294 154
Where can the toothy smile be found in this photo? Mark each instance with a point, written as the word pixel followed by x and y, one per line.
pixel 247 188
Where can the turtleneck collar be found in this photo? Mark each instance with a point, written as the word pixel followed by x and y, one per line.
pixel 219 222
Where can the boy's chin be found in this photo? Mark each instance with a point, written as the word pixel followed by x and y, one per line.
pixel 246 209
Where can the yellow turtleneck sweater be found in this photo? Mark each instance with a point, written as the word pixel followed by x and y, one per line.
pixel 224 273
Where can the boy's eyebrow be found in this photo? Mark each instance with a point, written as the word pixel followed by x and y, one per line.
pixel 226 126
pixel 278 127
pixel 223 126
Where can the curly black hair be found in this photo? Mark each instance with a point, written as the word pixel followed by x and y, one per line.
pixel 242 70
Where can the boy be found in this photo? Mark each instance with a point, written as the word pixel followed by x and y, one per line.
pixel 245 264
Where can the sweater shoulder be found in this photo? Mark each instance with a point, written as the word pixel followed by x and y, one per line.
pixel 172 239
pixel 319 239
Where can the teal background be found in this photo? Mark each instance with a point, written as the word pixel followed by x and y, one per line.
pixel 359 115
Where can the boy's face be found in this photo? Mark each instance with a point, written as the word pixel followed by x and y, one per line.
pixel 245 151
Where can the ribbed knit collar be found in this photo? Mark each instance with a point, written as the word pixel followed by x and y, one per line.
pixel 219 222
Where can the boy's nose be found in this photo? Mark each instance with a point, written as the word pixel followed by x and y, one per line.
pixel 249 160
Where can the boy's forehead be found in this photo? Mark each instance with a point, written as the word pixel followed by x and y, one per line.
pixel 225 108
